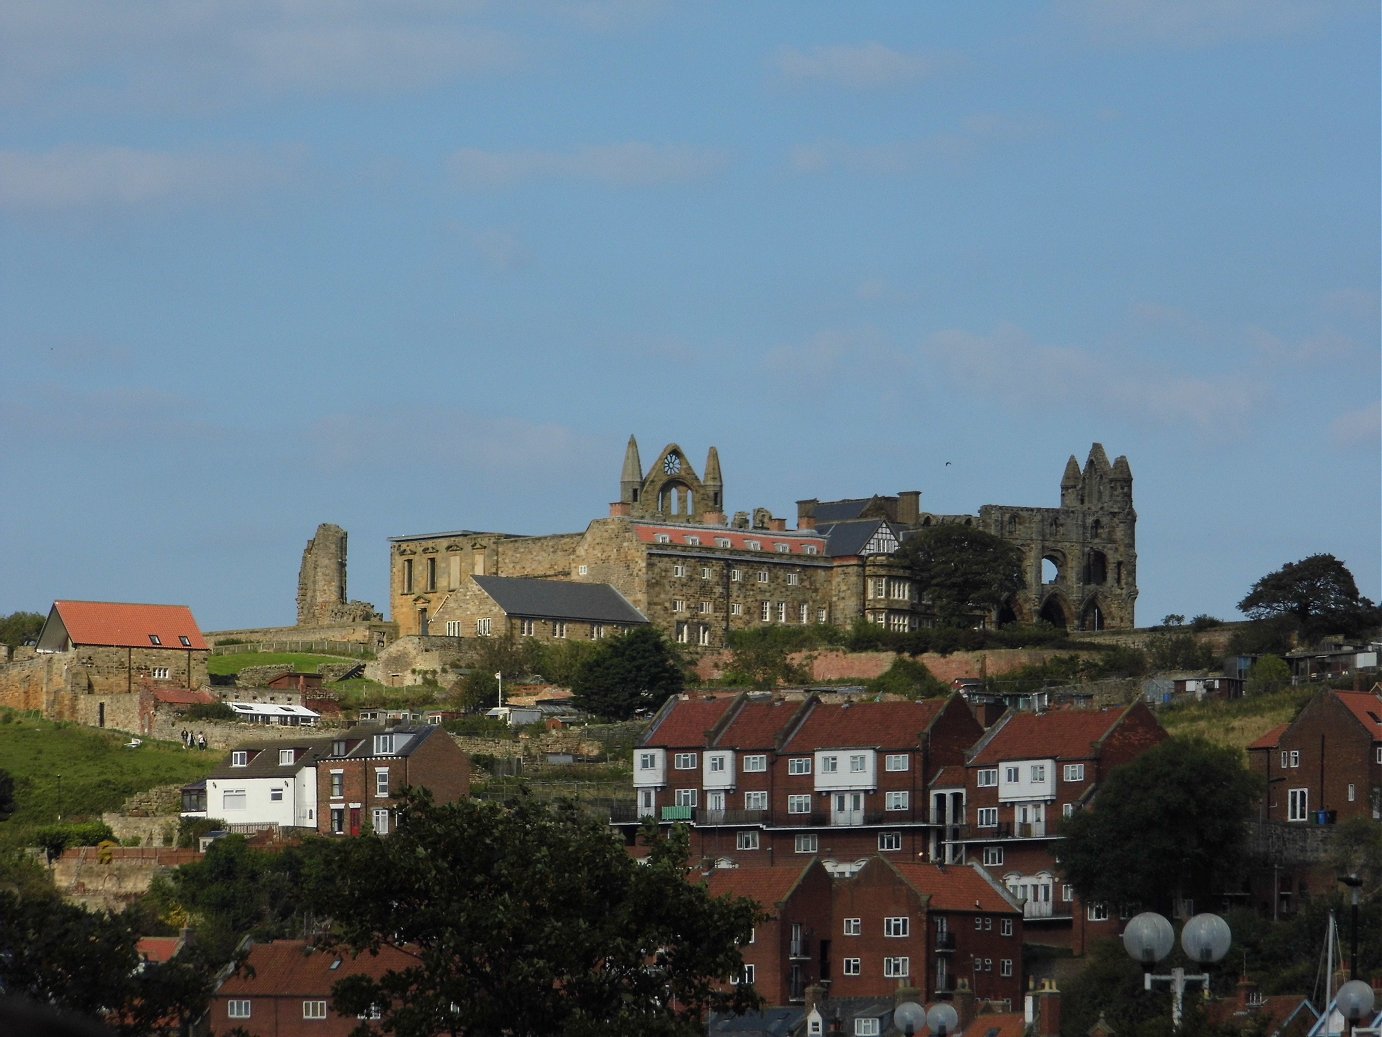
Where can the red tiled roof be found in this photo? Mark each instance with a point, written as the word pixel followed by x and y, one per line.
pixel 892 725
pixel 957 887
pixel 1271 739
pixel 998 1024
pixel 159 949
pixel 688 721
pixel 768 540
pixel 289 968
pixel 765 886
pixel 108 623
pixel 1367 707
pixel 756 725
pixel 949 778
pixel 1059 735
pixel 184 697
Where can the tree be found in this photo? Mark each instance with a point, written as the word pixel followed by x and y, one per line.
pixel 1268 674
pixel 632 672
pixel 525 919
pixel 1169 824
pixel 1318 594
pixel 19 627
pixel 7 804
pixel 910 678
pixel 963 572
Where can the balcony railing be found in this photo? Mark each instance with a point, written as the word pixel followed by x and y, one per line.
pixel 1008 830
pixel 945 943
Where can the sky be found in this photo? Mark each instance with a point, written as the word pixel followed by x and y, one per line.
pixel 418 267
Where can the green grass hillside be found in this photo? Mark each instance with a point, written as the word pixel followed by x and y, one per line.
pixel 234 662
pixel 78 772
pixel 1237 723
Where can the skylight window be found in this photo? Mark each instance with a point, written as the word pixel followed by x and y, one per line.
pixel 153 639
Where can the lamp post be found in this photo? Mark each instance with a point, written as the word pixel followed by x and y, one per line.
pixel 1355 885
pixel 1355 1002
pixel 500 678
pixel 1148 939
pixel 941 1018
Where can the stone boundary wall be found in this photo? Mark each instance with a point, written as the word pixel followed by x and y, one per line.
pixel 364 636
pixel 111 878
pixel 832 664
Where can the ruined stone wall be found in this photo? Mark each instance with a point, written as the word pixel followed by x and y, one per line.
pixel 322 576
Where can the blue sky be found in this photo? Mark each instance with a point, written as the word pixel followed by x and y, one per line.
pixel 420 266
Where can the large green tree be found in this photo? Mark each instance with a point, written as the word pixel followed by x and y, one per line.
pixel 1169 824
pixel 18 627
pixel 526 919
pixel 963 572
pixel 632 672
pixel 1318 595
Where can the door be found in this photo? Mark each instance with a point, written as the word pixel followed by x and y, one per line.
pixel 1031 819
pixel 422 622
pixel 715 805
pixel 354 820
pixel 847 808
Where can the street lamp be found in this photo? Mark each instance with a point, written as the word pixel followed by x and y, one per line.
pixel 941 1018
pixel 1355 1002
pixel 1149 936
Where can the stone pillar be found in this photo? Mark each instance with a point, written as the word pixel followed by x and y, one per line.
pixel 322 578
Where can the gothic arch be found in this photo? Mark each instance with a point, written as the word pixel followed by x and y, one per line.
pixel 1012 611
pixel 1056 611
pixel 1092 615
pixel 1055 558
pixel 1096 568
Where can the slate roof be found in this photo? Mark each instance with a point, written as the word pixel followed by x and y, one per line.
pixel 119 624
pixel 849 538
pixel 290 968
pixel 1057 735
pixel 890 725
pixel 263 759
pixel 560 599
pixel 841 510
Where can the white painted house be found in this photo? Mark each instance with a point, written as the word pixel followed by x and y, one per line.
pixel 261 784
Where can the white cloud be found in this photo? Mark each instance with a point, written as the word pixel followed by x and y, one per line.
pixel 631 164
pixel 171 55
pixel 1190 23
pixel 865 66
pixel 974 135
pixel 1359 428
pixel 76 177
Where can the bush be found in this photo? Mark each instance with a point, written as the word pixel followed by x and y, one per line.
pixel 210 711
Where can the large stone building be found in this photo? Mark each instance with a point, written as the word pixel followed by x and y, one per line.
pixel 669 548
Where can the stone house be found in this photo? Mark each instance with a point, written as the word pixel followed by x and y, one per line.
pixel 101 663
pixel 510 606
pixel 670 549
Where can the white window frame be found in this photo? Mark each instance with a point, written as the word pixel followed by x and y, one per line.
pixel 314 1009
pixel 799 765
pixel 684 761
pixel 717 764
pixel 484 627
pixel 1298 804
pixel 1096 911
pixel 852 967
pixel 987 778
pixel 381 782
pixel 807 842
pixel 1012 774
pixel 647 761
pixel 853 927
pixel 1005 967
pixel 987 817
pixel 897 762
pixel 993 856
pixel 1007 927
pixel 559 628
pixel 858 763
pixel 799 804
pixel 755 763
pixel 896 800
pixel 1074 772
pixel 160 673
pixel 238 1008
pixel 240 758
pixel 685 797
pixel 889 842
pixel 762 575
pixel 897 968
pixel 285 757
pixel 866 1026
pixel 379 819
pixel 746 840
pixel 830 764
pixel 897 926
pixel 756 799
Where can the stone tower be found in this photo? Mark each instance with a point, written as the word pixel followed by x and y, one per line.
pixel 322 578
pixel 671 491
pixel 1080 558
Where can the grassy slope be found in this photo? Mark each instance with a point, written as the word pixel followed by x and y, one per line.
pixel 97 773
pixel 220 665
pixel 1236 723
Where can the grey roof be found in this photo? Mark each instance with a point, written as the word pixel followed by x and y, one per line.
pixel 359 740
pixel 560 599
pixel 263 759
pixel 849 537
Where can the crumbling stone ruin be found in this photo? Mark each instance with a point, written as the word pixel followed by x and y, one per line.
pixel 322 597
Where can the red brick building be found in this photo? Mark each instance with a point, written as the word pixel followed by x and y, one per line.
pixel 1028 772
pixel 1326 765
pixel 284 990
pixel 365 766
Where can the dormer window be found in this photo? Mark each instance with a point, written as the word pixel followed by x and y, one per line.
pixel 722 541
pixel 753 545
pixel 285 757
pixel 693 541
pixel 184 640
pixel 662 538
pixel 383 744
pixel 782 549
pixel 239 758
pixel 153 640
pixel 338 748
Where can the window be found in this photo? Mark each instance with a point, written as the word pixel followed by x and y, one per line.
pixel 762 575
pixel 383 744
pixel 755 801
pixel 316 1009
pixel 337 784
pixel 753 545
pixel 184 640
pixel 889 841
pixel 897 968
pixel 852 967
pixel 736 609
pixel 679 570
pixel 483 627
pixel 647 761
pixel 830 764
pixel 381 783
pixel 993 856
pixel 782 612
pixel 526 627
pixel 1074 772
pixel 765 610
pixel 735 575
pixel 705 572
pixel 799 804
pixel 808 549
pixel 1007 927
pixel 722 542
pixel 804 614
pixel 240 758
pixel 1097 911
pixel 806 843
pixel 337 821
pixel 857 764
pixel 854 927
pixel 233 799
pixel 717 763
pixel 748 974
pixel 1352 792
pixel 684 761
pixel 683 633
pixel 1038 772
pixel 895 762
pixel 895 801
pixel 1298 804
pixel 160 673
pixel 597 631
pixel 431 569
pixel 693 541
pixel 1067 894
pixel 453 628
pixel 679 605
pixel 746 841
pixel 988 777
pixel 686 797
pixel 558 628
pixel 153 639
pixel 988 817
pixel 704 607
pixel 582 570
pixel 755 763
pixel 782 549
pixel 1012 774
pixel 866 1027
pixel 897 925
pixel 793 579
pixel 662 538
pixel 275 795
pixel 238 1009
pixel 285 757
pixel 799 765
pixel 1005 967
pixel 1067 810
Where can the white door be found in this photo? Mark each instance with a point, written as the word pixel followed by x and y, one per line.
pixel 847 808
